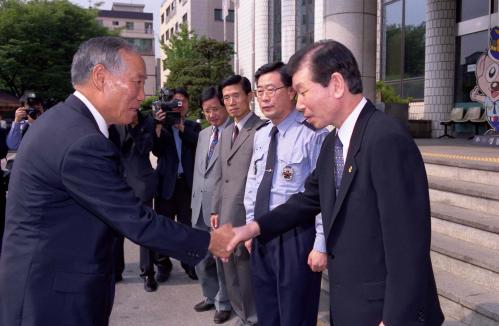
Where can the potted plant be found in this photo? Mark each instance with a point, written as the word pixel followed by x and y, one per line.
pixel 391 103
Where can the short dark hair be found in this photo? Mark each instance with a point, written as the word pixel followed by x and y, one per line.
pixel 236 79
pixel 208 93
pixel 327 57
pixel 275 66
pixel 181 90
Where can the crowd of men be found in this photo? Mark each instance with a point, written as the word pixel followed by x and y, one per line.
pixel 354 200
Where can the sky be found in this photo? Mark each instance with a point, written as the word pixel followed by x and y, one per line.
pixel 151 6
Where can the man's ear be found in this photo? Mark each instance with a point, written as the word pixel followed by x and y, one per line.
pixel 292 94
pixel 337 85
pixel 99 73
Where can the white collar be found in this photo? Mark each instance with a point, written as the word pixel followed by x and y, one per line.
pixel 101 123
pixel 242 122
pixel 346 130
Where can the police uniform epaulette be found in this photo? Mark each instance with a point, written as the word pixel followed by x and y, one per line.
pixel 306 123
pixel 263 125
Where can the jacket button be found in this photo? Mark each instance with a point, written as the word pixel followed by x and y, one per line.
pixel 226 181
pixel 421 316
pixel 228 163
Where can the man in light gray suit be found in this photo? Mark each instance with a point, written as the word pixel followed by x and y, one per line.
pixel 236 148
pixel 206 177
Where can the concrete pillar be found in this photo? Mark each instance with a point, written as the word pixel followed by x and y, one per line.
pixel 318 20
pixel 288 29
pixel 353 23
pixel 261 33
pixel 439 61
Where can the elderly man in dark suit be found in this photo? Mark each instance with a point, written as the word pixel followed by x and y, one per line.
pixel 175 146
pixel 68 200
pixel 371 187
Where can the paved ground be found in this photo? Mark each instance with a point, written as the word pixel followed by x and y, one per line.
pixel 171 305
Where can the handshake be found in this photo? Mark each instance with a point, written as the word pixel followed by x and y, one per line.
pixel 225 238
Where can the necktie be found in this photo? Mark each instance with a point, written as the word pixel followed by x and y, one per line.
pixel 339 165
pixel 214 142
pixel 235 132
pixel 262 201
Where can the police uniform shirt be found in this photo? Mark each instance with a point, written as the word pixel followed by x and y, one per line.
pixel 298 148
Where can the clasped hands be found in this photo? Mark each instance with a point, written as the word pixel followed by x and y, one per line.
pixel 225 238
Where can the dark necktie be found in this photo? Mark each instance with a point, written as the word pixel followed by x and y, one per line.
pixel 235 132
pixel 338 162
pixel 263 193
pixel 214 142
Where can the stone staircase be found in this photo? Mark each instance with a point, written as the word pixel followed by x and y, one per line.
pixel 464 198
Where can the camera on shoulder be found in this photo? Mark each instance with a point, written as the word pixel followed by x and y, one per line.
pixel 167 104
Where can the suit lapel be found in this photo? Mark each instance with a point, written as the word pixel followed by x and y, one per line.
pixel 244 133
pixel 216 152
pixel 351 162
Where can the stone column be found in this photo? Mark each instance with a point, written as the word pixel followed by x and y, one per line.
pixel 288 29
pixel 353 23
pixel 439 61
pixel 318 20
pixel 261 33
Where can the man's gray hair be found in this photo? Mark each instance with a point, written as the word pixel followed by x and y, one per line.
pixel 99 50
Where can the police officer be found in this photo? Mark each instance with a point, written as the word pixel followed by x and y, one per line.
pixel 286 271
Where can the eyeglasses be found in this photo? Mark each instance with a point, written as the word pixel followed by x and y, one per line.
pixel 269 91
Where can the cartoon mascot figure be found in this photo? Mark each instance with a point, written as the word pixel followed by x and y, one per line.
pixel 487 76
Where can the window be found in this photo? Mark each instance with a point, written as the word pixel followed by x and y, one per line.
pixel 116 23
pixel 168 11
pixel 167 35
pixel 469 9
pixel 304 23
pixel 173 5
pixel 171 32
pixel 404 30
pixel 162 18
pixel 162 38
pixel 148 28
pixel 275 30
pixel 469 48
pixel 129 26
pixel 176 27
pixel 184 19
pixel 143 46
pixel 218 15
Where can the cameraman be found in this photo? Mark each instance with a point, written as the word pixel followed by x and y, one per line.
pixel 175 147
pixel 32 108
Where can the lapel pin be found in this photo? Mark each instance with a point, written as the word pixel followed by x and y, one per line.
pixel 350 169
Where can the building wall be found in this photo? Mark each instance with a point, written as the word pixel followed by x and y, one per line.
pixel 200 19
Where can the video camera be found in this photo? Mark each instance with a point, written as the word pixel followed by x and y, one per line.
pixel 167 104
pixel 29 100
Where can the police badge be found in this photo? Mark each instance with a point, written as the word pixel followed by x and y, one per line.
pixel 288 173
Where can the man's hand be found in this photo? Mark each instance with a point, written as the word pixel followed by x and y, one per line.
pixel 214 221
pixel 20 114
pixel 243 233
pixel 219 241
pixel 381 324
pixel 317 261
pixel 248 244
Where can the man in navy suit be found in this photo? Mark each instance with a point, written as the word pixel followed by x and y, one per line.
pixel 68 200
pixel 370 185
pixel 175 146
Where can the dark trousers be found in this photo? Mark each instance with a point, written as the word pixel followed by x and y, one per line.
pixel 285 288
pixel 2 217
pixel 179 206
pixel 147 255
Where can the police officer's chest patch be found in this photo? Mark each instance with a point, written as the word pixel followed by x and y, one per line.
pixel 288 173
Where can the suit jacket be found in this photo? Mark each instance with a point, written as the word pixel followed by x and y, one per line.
pixel 228 198
pixel 377 229
pixel 166 151
pixel 206 178
pixel 67 202
pixel 135 146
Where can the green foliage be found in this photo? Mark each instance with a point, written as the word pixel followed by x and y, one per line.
pixel 195 63
pixel 386 94
pixel 38 39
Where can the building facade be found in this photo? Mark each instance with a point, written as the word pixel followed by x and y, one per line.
pixel 202 17
pixel 136 27
pixel 424 49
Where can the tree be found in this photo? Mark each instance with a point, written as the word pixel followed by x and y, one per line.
pixel 38 39
pixel 196 62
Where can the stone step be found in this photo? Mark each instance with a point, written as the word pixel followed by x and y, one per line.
pixel 452 322
pixel 466 302
pixel 471 195
pixel 465 224
pixel 464 259
pixel 477 173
